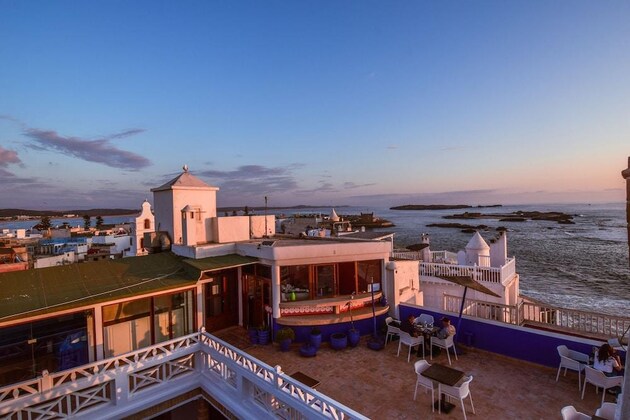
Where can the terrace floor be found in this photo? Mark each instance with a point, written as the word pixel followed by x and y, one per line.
pixel 380 385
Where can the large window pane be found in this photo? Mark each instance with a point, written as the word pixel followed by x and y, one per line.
pixel 294 282
pixel 325 280
pixel 366 272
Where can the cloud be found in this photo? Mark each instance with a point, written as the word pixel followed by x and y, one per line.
pixel 254 179
pixel 324 186
pixel 351 185
pixel 99 150
pixel 392 147
pixel 9 178
pixel 8 157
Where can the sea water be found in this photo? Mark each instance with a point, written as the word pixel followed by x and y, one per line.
pixel 582 266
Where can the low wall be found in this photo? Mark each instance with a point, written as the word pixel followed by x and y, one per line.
pixel 509 340
pixel 365 327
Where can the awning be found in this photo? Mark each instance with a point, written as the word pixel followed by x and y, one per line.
pixel 466 281
pixel 220 262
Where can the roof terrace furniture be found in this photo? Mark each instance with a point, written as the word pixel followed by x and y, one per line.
pixel 443 375
pixel 573 360
pixel 425 319
pixel 410 341
pixel 392 330
pixel 600 380
pixel 459 392
pixel 607 411
pixel 444 343
pixel 570 413
pixel 420 366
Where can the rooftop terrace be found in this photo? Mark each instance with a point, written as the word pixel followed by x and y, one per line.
pixel 381 385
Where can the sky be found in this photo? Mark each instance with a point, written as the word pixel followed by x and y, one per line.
pixel 314 102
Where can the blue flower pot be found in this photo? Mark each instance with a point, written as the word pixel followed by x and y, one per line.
pixel 354 336
pixel 263 337
pixel 338 341
pixel 253 335
pixel 308 350
pixel 285 344
pixel 316 340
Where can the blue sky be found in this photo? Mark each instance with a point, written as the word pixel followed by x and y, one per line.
pixel 374 103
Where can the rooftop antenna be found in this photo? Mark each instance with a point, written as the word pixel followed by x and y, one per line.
pixel 265 235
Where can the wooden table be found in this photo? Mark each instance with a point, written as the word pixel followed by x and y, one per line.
pixel 444 375
pixel 305 379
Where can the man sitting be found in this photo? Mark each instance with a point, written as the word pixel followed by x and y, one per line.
pixel 446 330
pixel 409 327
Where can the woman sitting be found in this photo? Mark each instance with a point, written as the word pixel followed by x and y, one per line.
pixel 607 360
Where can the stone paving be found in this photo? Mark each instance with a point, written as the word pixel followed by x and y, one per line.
pixel 380 385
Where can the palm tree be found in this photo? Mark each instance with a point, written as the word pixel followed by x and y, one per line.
pixel 86 222
pixel 99 222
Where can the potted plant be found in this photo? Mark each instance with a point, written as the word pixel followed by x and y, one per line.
pixel 263 334
pixel 284 337
pixel 339 341
pixel 316 337
pixel 252 332
pixel 354 336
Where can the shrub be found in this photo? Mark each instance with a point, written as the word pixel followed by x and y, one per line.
pixel 285 333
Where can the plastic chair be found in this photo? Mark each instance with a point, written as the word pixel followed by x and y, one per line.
pixel 607 411
pixel 570 413
pixel 420 366
pixel 424 319
pixel 392 331
pixel 410 341
pixel 600 380
pixel 444 343
pixel 459 392
pixel 573 360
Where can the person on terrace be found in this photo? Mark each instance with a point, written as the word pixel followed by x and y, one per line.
pixel 409 327
pixel 608 361
pixel 447 329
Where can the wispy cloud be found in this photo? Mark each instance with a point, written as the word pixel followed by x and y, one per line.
pixel 99 150
pixel 254 179
pixel 392 147
pixel 351 185
pixel 8 157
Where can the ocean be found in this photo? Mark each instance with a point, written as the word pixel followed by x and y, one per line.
pixel 582 266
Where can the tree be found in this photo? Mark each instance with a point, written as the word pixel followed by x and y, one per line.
pixel 44 224
pixel 99 222
pixel 246 211
pixel 86 221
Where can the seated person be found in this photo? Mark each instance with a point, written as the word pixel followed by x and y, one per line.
pixel 446 330
pixel 607 360
pixel 409 327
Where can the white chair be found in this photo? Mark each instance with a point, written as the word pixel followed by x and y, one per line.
pixel 570 413
pixel 600 380
pixel 459 392
pixel 420 366
pixel 444 343
pixel 424 319
pixel 410 341
pixel 607 411
pixel 573 360
pixel 392 331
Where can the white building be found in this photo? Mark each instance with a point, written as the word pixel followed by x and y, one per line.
pixel 143 223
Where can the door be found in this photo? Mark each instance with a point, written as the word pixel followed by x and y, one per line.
pixel 221 296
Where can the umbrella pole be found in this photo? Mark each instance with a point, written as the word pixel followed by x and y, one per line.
pixel 461 310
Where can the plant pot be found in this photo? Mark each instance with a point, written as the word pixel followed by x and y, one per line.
pixel 354 336
pixel 375 343
pixel 316 340
pixel 285 344
pixel 253 335
pixel 263 337
pixel 308 350
pixel 338 341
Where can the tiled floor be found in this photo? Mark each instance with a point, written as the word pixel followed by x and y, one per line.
pixel 380 385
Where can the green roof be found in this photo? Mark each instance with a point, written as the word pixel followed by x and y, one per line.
pixel 47 290
pixel 222 261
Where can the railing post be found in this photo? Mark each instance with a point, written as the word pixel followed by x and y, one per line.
pixel 121 386
pixel 45 382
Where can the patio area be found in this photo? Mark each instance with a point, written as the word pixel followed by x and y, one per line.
pixel 380 385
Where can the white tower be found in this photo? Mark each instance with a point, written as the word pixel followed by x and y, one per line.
pixel 185 190
pixel 143 223
pixel 477 251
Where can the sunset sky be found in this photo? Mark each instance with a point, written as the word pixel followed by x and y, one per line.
pixel 314 102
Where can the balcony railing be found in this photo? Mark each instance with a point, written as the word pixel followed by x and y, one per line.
pixel 500 275
pixel 126 384
pixel 527 312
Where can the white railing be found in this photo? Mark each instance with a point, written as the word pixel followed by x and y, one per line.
pixel 406 255
pixel 500 275
pixel 591 323
pixel 482 309
pixel 526 312
pixel 141 379
pixel 443 257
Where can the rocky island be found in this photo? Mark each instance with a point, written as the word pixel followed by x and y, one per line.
pixel 518 216
pixel 440 206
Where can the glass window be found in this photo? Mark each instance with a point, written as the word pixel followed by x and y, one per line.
pixel 173 315
pixel 295 282
pixel 124 310
pixel 325 280
pixel 366 272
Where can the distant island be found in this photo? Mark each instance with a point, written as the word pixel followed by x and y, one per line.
pixel 518 216
pixel 9 213
pixel 440 206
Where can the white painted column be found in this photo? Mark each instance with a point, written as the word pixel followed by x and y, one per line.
pixel 239 275
pixel 275 291
pixel 200 308
pixel 98 332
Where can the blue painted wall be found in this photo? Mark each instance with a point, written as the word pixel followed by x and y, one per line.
pixel 365 326
pixel 518 342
